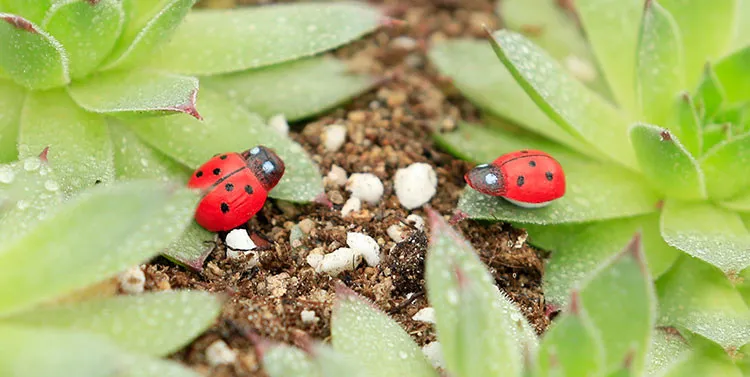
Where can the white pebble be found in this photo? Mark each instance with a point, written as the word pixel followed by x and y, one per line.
pixel 279 124
pixel 333 137
pixel 581 69
pixel 521 240
pixel 415 185
pixel 366 187
pixel 364 245
pixel 351 205
pixel 219 353
pixel 238 239
pixel 308 316
pixel 417 220
pixel 404 43
pixel 426 315
pixel 434 354
pixel 132 280
pixel 343 259
pixel 306 226
pixel 396 232
pixel 337 176
pixel 314 259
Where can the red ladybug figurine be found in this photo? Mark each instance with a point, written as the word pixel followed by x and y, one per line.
pixel 527 178
pixel 236 185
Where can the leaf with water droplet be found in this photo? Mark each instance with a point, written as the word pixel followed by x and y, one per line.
pixel 129 92
pixel 131 221
pixel 364 333
pixel 697 296
pixel 453 271
pixel 261 36
pixel 666 163
pixel 287 361
pixel 29 56
pixel 660 69
pixel 668 349
pixel 708 232
pixel 285 88
pixel 227 127
pixel 87 30
pixel 80 149
pixel 734 75
pixel 11 103
pixel 150 323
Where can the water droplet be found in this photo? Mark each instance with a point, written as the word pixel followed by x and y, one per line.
pixel 51 185
pixel 22 205
pixel 403 355
pixel 6 174
pixel 32 163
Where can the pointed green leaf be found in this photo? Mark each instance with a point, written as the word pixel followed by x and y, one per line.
pixel 742 33
pixel 335 364
pixel 80 148
pixel 262 36
pixel 668 349
pixel 228 127
pixel 619 298
pixel 715 134
pixel 744 286
pixel 362 332
pixel 131 221
pixel 569 103
pixel 32 10
pixel 29 56
pixel 147 30
pixel 87 29
pixel 11 102
pixel 665 162
pixel 286 88
pixel 740 203
pixel 726 168
pixel 733 72
pixel 685 123
pixel 475 71
pixel 660 65
pixel 707 359
pixel 705 231
pixel 612 30
pixel 192 247
pixel 710 94
pixel 706 28
pixel 287 361
pixel 696 296
pixel 151 323
pixel 453 270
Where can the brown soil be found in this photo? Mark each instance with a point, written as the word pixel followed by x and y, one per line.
pixel 388 128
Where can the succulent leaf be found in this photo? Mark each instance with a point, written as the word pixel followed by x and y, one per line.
pixel 733 72
pixel 685 123
pixel 87 30
pixel 725 167
pixel 80 148
pixel 11 102
pixel 135 91
pixel 335 364
pixel 151 323
pixel 707 359
pixel 287 361
pixel 261 36
pixel 136 160
pixel 668 349
pixel 131 221
pixel 29 56
pixel 285 88
pixel 33 11
pixel 710 94
pixel 660 64
pixel 363 333
pixel 229 127
pixel 569 103
pixel 742 32
pixel 666 163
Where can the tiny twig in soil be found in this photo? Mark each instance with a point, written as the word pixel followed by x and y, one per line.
pixel 406 302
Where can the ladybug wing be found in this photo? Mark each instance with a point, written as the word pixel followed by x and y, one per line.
pixel 215 169
pixel 232 202
pixel 534 179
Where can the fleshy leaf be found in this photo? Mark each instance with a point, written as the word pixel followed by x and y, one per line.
pixel 569 103
pixel 333 363
pixel 121 92
pixel 11 102
pixel 666 163
pixel 297 89
pixel 80 148
pixel 453 270
pixel 131 221
pixel 87 29
pixel 710 94
pixel 705 28
pixel 32 10
pixel 733 72
pixel 144 31
pixel 287 361
pixel 726 169
pixel 686 124
pixel 152 323
pixel 228 127
pixel 668 349
pixel 660 65
pixel 707 359
pixel 619 298
pixel 696 296
pixel 29 56
pixel 261 36
pixel 612 30
pixel 742 33
pixel 192 247
pixel 371 337
pixel 475 71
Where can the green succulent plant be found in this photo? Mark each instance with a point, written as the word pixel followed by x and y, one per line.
pixel 649 117
pixel 112 87
pixel 607 328
pixel 52 322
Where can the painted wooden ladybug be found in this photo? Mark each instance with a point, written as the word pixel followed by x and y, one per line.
pixel 236 186
pixel 527 178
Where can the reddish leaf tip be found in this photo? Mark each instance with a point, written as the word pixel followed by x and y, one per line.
pixel 635 248
pixel 20 23
pixel 463 282
pixel 647 5
pixel 323 200
pixel 189 107
pixel 550 310
pixel 391 22
pixel 93 2
pixel 43 155
pixel 664 135
pixel 627 363
pixel 574 307
pixel 458 216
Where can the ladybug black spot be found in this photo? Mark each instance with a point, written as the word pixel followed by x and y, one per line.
pixel 199 174
pixel 532 163
pixel 524 151
pixel 249 189
pixel 224 207
pixel 549 175
pixel 229 187
pixel 98 181
pixel 519 181
pixel 217 171
pixel 223 157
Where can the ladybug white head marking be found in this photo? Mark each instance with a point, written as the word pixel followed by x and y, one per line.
pixel 265 164
pixel 255 151
pixel 486 179
pixel 268 167
pixel 490 179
